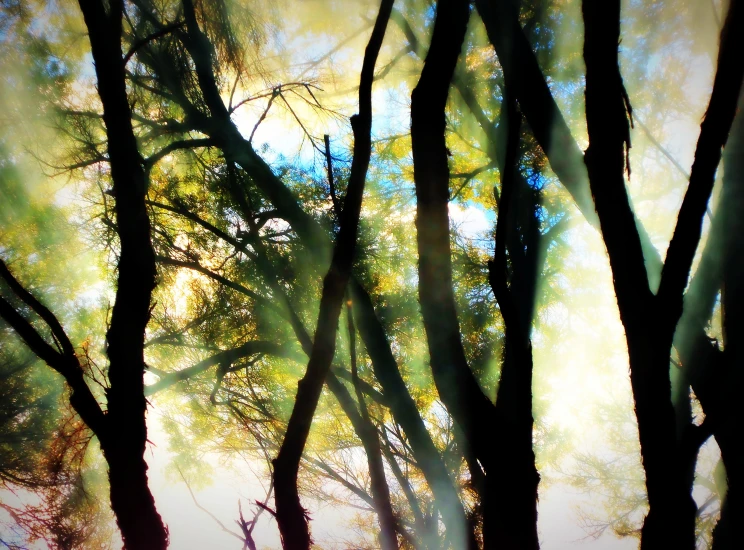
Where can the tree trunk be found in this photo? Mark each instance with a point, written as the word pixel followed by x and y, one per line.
pixel 457 387
pixel 455 382
pixel 729 419
pixel 371 440
pixel 289 513
pixel 124 441
pixel 131 500
pixel 710 369
pixel 671 518
pixel 670 521
pixel 361 423
pixel 525 79
pixel 511 497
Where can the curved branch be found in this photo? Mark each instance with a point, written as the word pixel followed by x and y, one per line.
pixel 224 357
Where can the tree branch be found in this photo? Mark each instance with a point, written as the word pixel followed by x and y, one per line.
pixel 714 132
pixel 42 311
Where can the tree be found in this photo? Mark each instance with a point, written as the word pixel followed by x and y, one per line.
pixel 121 429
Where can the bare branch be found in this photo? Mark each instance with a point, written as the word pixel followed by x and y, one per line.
pixel 177 146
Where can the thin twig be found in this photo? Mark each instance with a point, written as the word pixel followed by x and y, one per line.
pixel 210 514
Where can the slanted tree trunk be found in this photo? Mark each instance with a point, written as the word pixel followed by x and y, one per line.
pixel 290 515
pixel 371 441
pixel 407 415
pixel 455 383
pixel 360 421
pixel 510 519
pixel 528 86
pixel 710 369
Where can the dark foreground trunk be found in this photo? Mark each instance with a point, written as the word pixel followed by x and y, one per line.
pixel 132 502
pixel 509 518
pixel 123 441
pixel 670 521
pixel 711 370
pixel 456 385
pixel 511 495
pixel 650 320
pixel 514 491
pixel 728 420
pixel 525 79
pixel 290 515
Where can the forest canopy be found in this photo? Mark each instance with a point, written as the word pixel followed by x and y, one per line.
pixel 396 274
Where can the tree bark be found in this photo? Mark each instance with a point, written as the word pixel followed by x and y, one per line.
pixel 505 525
pixel 514 495
pixel 671 509
pixel 729 418
pixel 524 77
pixel 371 441
pixel 131 499
pixel 456 385
pixel 407 415
pixel 361 422
pixel 122 431
pixel 650 320
pixel 290 515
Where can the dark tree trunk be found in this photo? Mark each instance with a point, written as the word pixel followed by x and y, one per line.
pixel 670 521
pixel 730 418
pixel 528 86
pixel 123 443
pixel 525 79
pixel 455 383
pixel 510 518
pixel 290 515
pixel 427 538
pixel 361 423
pixel 371 441
pixel 516 372
pixel 131 499
pixel 650 320
pixel 511 504
pixel 367 433
pixel 710 369
pixel 508 523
